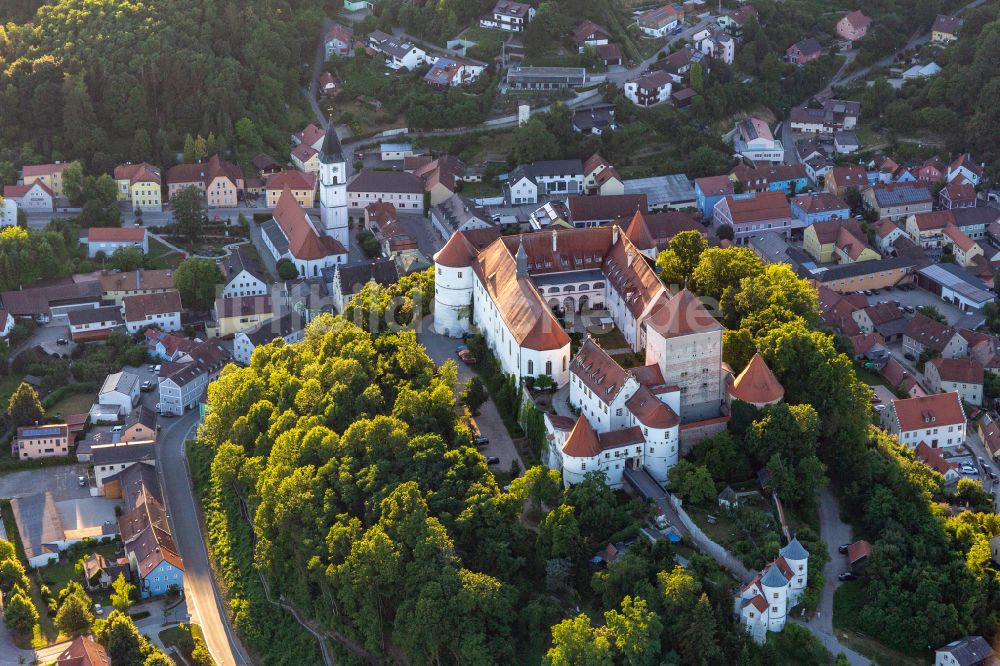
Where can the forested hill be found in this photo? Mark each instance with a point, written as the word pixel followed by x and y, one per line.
pixel 116 79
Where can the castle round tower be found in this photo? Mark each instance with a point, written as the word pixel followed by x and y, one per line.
pixel 774 585
pixel 453 280
pixel 797 558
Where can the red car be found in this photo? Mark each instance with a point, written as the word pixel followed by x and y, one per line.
pixel 467 356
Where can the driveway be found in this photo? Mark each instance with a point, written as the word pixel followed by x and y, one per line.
pixel 61 481
pixel 441 349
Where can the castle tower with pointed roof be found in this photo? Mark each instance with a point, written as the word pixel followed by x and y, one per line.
pixel 333 188
pixel 757 385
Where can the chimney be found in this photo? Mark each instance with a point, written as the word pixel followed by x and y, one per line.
pixel 555 241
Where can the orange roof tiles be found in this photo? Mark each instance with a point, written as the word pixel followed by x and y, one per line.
pixel 598 371
pixel 929 411
pixel 116 234
pixel 295 179
pixel 456 253
pixel 763 206
pixel 303 241
pixel 650 412
pixel 757 385
pixel 961 370
pixel 205 173
pixel 582 441
pixel 683 314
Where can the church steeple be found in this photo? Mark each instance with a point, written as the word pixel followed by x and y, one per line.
pixel 333 186
pixel 522 260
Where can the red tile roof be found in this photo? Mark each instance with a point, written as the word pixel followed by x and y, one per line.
pixel 715 185
pixel 582 441
pixel 303 241
pixel 683 314
pixel 931 221
pixel 650 411
pixel 598 371
pixel 762 206
pixel 858 20
pixel 757 384
pixel 295 179
pixel 116 234
pixel 858 550
pixel 605 207
pixel 141 306
pixel 138 173
pixel 929 411
pixel 960 370
pixel 84 651
pixel 933 458
pixel 205 173
pixel 37 170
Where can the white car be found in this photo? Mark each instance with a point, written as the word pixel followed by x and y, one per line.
pixel 99 609
pixel 968 469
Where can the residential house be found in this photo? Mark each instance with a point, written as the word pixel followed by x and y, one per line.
pixel 457 213
pixel 598 210
pixel 145 530
pixel 302 185
pixel 898 200
pixel 900 379
pixel 49 175
pixel 937 420
pixel 109 459
pixel 311 135
pixel 750 213
pixel 509 16
pixel 964 249
pixel 821 240
pixel 825 117
pixel 240 313
pixel 975 222
pixel 934 459
pixel 524 77
pixel 162 310
pixel 292 234
pixel 764 603
pixel 167 346
pixel 649 89
pixel 42 441
pixel 327 85
pixel 933 170
pixel 590 34
pixel 845 142
pixel 183 383
pixel 989 432
pixel 886 233
pixel 657 22
pixel 399 53
pixel 346 281
pixel 671 192
pixel 53 299
pixel 734 21
pixel 140 426
pixel 926 333
pixel 886 319
pixel 98 574
pixel 959 193
pixel 965 167
pixel 339 41
pixel 754 141
pixel 964 376
pixel 108 239
pixel 871 349
pixel 818 207
pixel 289 328
pixel 609 54
pixel 448 72
pixel 403 190
pixel 395 152
pixel 221 181
pixel 119 394
pixel 840 179
pixel 306 159
pixel 789 178
pixel 140 184
pixel 84 651
pixel 94 323
pixel 651 232
pixel 441 177
pixel 678 64
pixel 711 190
pixel 115 286
pixel 36 196
pixel 594 119
pixel 609 183
pixel 927 229
pixel 945 29
pixel 853 26
pixel 715 42
pixel 243 275
pixel 551 178
pixel 803 52
pixel 967 651
pixel 265 165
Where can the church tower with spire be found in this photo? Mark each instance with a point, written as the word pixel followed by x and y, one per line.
pixel 333 187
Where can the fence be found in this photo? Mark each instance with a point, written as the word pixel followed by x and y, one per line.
pixel 709 547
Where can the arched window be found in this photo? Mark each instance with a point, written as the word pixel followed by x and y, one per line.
pixel 531 367
pixel 569 287
pixel 548 368
pixel 584 287
pixel 553 290
pixel 598 285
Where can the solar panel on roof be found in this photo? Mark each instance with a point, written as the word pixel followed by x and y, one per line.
pixel 40 432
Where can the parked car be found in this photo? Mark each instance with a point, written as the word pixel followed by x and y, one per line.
pixel 847 575
pixel 82 480
pixel 99 609
pixel 117 428
pixel 875 291
pixel 842 549
pixel 492 460
pixel 481 441
pixel 146 386
pixel 909 308
pixel 62 342
pixel 968 469
pixel 156 368
pixel 868 292
pixel 466 355
pixel 909 357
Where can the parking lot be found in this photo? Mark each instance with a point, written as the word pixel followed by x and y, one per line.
pixel 916 297
pixel 61 481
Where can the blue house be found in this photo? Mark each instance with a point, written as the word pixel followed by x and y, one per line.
pixel 819 207
pixel 152 553
pixel 789 178
pixel 710 191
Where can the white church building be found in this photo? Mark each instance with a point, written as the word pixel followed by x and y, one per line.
pixel 508 287
pixel 763 604
pixel 292 234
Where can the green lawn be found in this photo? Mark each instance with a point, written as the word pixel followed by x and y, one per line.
pixel 45 631
pixel 609 338
pixel 161 256
pixel 7 387
pixel 181 639
pixel 72 404
pixel 57 576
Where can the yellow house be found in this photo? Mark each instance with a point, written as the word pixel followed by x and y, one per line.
pixel 49 175
pixel 234 315
pixel 964 248
pixel 820 239
pixel 305 158
pixel 841 178
pixel 141 185
pixel 609 183
pixel 945 29
pixel 302 185
pixel 851 248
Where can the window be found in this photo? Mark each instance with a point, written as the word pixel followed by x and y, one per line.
pixel 531 367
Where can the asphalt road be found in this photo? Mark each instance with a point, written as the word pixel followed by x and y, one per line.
pixel 203 600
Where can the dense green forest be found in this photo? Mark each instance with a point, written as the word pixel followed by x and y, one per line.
pixel 106 80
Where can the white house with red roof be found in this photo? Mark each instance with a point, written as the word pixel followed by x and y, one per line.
pixel 853 26
pixel 35 196
pixel 966 168
pixel 339 41
pixel 936 419
pixel 763 604
pixel 109 239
